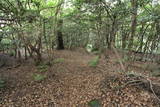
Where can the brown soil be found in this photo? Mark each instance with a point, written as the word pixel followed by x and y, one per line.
pixel 73 83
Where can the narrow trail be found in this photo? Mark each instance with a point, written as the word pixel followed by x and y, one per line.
pixel 80 80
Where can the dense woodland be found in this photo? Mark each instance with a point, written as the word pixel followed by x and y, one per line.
pixel 101 47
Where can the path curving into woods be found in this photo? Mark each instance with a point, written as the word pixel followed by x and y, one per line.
pixel 71 83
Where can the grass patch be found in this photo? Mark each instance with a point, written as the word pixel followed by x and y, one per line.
pixel 94 62
pixel 39 77
pixel 58 60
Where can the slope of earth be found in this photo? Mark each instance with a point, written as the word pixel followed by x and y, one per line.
pixel 71 82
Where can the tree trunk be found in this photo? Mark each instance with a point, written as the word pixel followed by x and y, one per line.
pixel 60 45
pixel 141 38
pixel 25 51
pixel 134 22
pixel 113 33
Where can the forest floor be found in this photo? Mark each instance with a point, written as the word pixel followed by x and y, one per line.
pixel 71 82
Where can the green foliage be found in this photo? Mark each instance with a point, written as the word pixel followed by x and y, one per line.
pixel 39 77
pixel 125 58
pixel 2 83
pixel 94 62
pixel 156 73
pixel 11 53
pixel 86 22
pixel 89 47
pixel 6 41
pixel 94 103
pixel 5 44
pixel 42 68
pixel 59 60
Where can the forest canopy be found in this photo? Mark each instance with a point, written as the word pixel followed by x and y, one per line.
pixel 37 25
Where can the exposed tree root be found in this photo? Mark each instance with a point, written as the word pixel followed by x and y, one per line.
pixel 146 84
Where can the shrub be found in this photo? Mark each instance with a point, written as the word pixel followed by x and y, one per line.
pixel 11 53
pixel 94 62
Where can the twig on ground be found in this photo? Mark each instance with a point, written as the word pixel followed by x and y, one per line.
pixel 131 82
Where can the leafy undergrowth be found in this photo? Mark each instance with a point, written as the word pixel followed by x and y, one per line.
pixel 94 62
pixel 39 77
pixel 94 103
pixel 79 85
pixel 58 60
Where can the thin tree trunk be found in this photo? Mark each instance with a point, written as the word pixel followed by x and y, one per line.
pixel 133 23
pixel 25 51
pixel 113 34
pixel 60 45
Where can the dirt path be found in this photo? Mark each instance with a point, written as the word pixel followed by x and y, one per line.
pixel 78 79
pixel 70 83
